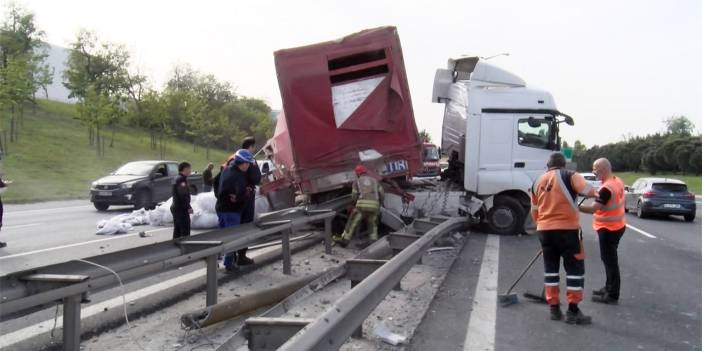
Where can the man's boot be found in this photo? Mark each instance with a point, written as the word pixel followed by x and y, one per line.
pixel 606 299
pixel 339 239
pixel 577 317
pixel 556 314
pixel 601 291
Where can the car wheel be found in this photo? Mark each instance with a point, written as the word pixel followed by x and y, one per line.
pixel 143 200
pixel 101 206
pixel 689 217
pixel 640 211
pixel 506 216
pixel 193 190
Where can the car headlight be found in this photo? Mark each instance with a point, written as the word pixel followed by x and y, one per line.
pixel 127 185
pixel 93 185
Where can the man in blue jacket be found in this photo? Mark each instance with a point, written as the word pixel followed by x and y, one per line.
pixel 232 195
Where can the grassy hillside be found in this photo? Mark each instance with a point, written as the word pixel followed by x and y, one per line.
pixel 694 183
pixel 53 160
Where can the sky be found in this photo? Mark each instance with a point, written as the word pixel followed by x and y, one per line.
pixel 618 67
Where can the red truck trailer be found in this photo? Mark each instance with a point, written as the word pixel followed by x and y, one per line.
pixel 345 102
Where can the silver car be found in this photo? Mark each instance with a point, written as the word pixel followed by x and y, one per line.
pixel 664 196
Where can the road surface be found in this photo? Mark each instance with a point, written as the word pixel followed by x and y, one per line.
pixel 660 305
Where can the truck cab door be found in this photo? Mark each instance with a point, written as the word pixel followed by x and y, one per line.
pixel 494 166
pixel 531 148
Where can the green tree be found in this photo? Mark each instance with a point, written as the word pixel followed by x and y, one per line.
pixel 679 125
pixel 695 161
pixel 22 67
pixel 98 70
pixel 424 136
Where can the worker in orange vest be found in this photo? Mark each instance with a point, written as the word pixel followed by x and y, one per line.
pixel 609 222
pixel 554 210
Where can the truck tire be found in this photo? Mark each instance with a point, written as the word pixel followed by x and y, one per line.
pixel 506 217
pixel 142 199
pixel 100 206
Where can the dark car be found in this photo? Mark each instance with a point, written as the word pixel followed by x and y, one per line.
pixel 664 196
pixel 141 183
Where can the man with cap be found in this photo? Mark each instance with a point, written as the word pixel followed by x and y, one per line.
pixel 253 178
pixel 232 194
pixel 368 195
pixel 555 212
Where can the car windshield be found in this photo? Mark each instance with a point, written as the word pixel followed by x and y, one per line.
pixel 135 168
pixel 431 153
pixel 670 187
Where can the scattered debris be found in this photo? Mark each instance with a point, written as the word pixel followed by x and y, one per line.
pixel 382 332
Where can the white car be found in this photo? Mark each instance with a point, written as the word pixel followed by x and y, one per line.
pixel 592 180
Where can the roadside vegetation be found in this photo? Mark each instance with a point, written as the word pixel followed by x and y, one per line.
pixel 53 150
pixel 55 162
pixel 675 153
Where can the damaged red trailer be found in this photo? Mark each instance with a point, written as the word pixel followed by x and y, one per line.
pixel 344 101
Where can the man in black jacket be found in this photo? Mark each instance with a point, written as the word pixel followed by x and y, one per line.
pixel 180 208
pixel 207 178
pixel 233 194
pixel 253 178
pixel 3 187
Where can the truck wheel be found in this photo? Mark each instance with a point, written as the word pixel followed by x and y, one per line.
pixel 101 206
pixel 143 200
pixel 506 216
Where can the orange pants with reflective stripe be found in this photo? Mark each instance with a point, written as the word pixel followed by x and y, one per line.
pixel 557 244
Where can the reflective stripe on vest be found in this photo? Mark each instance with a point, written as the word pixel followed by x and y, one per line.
pixel 611 216
pixel 368 204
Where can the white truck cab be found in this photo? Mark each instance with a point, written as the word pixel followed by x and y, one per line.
pixel 502 132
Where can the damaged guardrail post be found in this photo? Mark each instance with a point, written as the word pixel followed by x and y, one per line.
pixel 71 322
pixel 328 235
pixel 211 262
pixel 287 269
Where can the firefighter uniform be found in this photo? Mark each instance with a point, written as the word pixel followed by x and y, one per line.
pixel 555 212
pixel 368 195
pixel 609 222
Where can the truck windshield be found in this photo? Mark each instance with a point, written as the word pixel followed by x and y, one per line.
pixel 431 153
pixel 135 168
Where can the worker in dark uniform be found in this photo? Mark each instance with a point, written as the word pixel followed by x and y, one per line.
pixel 368 195
pixel 207 178
pixel 253 179
pixel 180 208
pixel 3 188
pixel 232 195
pixel 557 220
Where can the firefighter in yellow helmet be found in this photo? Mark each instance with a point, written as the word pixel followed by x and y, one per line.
pixel 368 195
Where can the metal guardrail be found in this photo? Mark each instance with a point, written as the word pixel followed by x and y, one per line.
pixel 331 330
pixel 69 282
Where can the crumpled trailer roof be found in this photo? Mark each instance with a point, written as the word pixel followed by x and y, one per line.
pixel 339 98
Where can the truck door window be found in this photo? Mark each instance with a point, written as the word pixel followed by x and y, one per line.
pixel 533 132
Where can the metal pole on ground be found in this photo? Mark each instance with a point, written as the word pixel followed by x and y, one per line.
pixel 286 252
pixel 211 262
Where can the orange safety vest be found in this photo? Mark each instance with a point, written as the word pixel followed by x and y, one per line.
pixel 611 216
pixel 553 204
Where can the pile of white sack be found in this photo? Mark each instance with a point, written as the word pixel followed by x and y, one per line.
pixel 204 215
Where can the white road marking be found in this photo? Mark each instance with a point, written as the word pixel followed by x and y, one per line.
pixel 118 236
pixel 59 209
pixel 45 326
pixel 21 226
pixel 481 326
pixel 642 232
